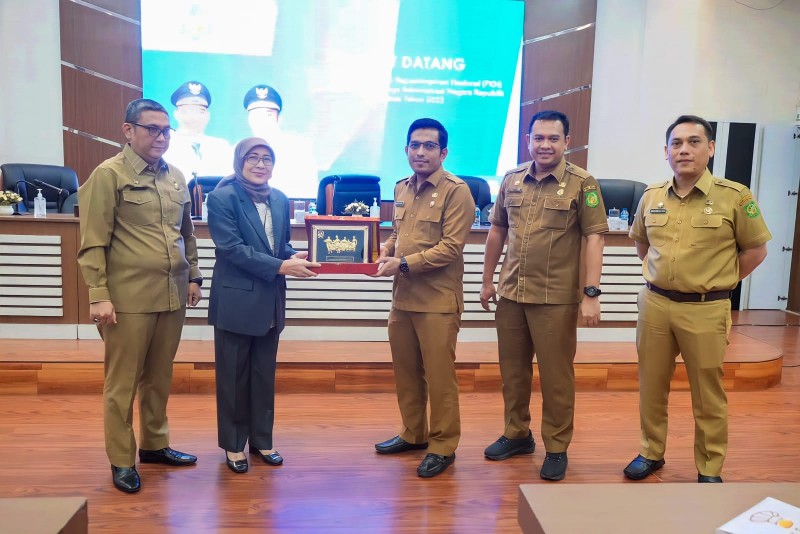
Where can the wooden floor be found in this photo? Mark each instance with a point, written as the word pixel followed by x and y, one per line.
pixel 333 481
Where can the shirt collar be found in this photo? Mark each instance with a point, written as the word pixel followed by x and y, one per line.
pixel 139 165
pixel 703 184
pixel 557 173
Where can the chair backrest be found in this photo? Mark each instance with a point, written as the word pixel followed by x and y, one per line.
pixel 198 188
pixel 479 188
pixel 15 174
pixel 621 194
pixel 339 190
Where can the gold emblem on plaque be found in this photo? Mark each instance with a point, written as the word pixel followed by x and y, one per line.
pixel 340 245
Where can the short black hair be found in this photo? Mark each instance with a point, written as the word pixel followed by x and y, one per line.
pixel 550 115
pixel 694 119
pixel 139 106
pixel 433 124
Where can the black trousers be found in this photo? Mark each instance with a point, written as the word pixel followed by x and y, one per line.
pixel 245 388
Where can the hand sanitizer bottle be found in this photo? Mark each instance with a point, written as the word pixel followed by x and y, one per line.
pixel 623 219
pixel 375 210
pixel 39 205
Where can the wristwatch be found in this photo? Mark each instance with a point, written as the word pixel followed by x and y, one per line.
pixel 592 291
pixel 198 281
pixel 403 266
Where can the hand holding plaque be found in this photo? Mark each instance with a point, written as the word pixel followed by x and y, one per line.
pixel 343 245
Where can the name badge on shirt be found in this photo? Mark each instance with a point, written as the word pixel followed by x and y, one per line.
pixel 658 210
pixel 517 190
pixel 399 203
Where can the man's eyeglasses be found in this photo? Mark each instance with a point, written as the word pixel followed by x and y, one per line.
pixel 427 145
pixel 155 131
pixel 253 160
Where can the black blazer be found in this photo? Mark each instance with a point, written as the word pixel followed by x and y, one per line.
pixel 247 293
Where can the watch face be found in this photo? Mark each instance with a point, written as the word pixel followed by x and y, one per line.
pixel 591 291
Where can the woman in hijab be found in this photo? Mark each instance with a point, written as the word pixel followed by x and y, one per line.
pixel 249 223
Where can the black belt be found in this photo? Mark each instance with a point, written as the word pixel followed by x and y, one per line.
pixel 677 296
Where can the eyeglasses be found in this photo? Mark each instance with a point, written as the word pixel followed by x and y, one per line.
pixel 427 145
pixel 253 160
pixel 155 131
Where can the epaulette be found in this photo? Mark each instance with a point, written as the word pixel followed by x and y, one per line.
pixel 453 178
pixel 577 171
pixel 729 183
pixel 519 168
pixel 657 185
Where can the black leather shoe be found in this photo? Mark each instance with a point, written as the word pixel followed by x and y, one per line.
pixel 126 479
pixel 554 466
pixel 237 466
pixel 706 478
pixel 434 464
pixel 398 444
pixel 273 458
pixel 166 456
pixel 505 448
pixel 641 467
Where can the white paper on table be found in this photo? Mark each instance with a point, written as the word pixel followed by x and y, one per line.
pixel 768 516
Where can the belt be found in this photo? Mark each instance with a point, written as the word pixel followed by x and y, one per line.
pixel 677 296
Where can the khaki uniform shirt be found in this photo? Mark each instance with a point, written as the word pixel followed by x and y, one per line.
pixel 431 226
pixel 694 240
pixel 137 248
pixel 546 220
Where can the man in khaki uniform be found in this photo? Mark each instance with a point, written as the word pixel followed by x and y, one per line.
pixel 433 213
pixel 698 236
pixel 545 208
pixel 138 256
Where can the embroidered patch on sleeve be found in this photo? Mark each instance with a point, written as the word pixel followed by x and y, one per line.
pixel 751 210
pixel 591 199
pixel 745 199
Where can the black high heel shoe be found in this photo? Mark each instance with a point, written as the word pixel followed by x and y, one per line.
pixel 237 466
pixel 273 458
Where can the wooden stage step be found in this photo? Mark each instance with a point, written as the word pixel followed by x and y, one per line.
pixel 76 366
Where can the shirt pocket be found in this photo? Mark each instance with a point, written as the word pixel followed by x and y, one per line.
pixel 137 207
pixel 175 208
pixel 706 231
pixel 429 224
pixel 513 207
pixel 555 213
pixel 656 228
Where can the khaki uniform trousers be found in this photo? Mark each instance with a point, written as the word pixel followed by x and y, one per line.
pixel 699 332
pixel 550 332
pixel 139 351
pixel 423 355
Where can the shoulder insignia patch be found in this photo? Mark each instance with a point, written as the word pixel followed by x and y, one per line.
pixel 589 188
pixel 745 199
pixel 592 200
pixel 751 209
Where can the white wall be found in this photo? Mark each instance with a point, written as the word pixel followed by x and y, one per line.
pixel 30 82
pixel 657 59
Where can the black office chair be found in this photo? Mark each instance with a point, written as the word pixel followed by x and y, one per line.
pixel 57 183
pixel 337 191
pixel 479 188
pixel 621 194
pixel 199 187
